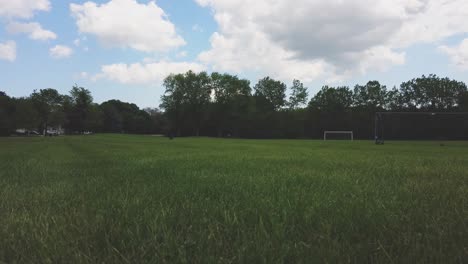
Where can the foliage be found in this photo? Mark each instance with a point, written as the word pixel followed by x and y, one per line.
pixel 6 111
pixel 25 115
pixel 431 93
pixel 372 96
pixel 80 103
pixel 223 105
pixel 48 104
pixel 332 99
pixel 186 99
pixel 273 91
pixel 230 100
pixel 298 95
pixel 121 117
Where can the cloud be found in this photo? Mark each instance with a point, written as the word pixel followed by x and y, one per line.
pixel 458 54
pixel 432 22
pixel 22 8
pixel 83 75
pixel 8 50
pixel 127 23
pixel 182 54
pixel 254 53
pixel 33 29
pixel 144 73
pixel 60 52
pixel 326 39
pixel 197 28
pixel 77 42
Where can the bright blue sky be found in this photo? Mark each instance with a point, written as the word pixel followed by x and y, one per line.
pixel 318 42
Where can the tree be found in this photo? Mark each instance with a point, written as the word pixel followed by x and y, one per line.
pixel 48 104
pixel 79 107
pixel 431 93
pixel 463 101
pixel 332 99
pixel 273 91
pixel 94 119
pixel 371 96
pixel 6 112
pixel 25 114
pixel 158 120
pixel 112 118
pixel 230 101
pixel 298 95
pixel 186 99
pixel 172 101
pixel 198 92
pixel 395 100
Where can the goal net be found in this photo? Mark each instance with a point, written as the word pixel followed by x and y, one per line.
pixel 338 135
pixel 420 126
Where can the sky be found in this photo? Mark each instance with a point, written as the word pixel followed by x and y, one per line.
pixel 123 49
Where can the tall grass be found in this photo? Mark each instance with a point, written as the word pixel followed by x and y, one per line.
pixel 136 199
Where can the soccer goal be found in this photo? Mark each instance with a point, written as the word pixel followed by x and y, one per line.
pixel 420 126
pixel 347 134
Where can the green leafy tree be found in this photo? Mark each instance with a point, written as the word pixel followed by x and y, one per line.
pixel 431 93
pixel 26 115
pixel 332 99
pixel 6 112
pixel 231 96
pixel 158 120
pixel 112 118
pixel 463 101
pixel 48 103
pixel 79 105
pixel 173 100
pixel 395 100
pixel 94 118
pixel 372 96
pixel 299 95
pixel 121 117
pixel 186 99
pixel 273 91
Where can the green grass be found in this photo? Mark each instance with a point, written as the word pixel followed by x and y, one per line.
pixel 119 199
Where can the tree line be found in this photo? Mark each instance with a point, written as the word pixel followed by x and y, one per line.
pixel 75 113
pixel 224 105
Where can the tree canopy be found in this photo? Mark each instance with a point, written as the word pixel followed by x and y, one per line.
pixel 220 104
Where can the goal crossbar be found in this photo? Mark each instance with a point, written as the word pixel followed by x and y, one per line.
pixel 325 133
pixel 379 120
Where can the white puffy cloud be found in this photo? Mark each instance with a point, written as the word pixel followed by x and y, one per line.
pixel 332 39
pixel 60 52
pixel 8 50
pixel 255 53
pixel 141 73
pixel 127 23
pixel 33 29
pixel 22 8
pixel 458 54
pixel 432 21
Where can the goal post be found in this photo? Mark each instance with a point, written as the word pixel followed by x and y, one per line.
pixel 420 126
pixel 350 133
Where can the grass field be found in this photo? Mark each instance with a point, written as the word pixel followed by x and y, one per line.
pixel 134 199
